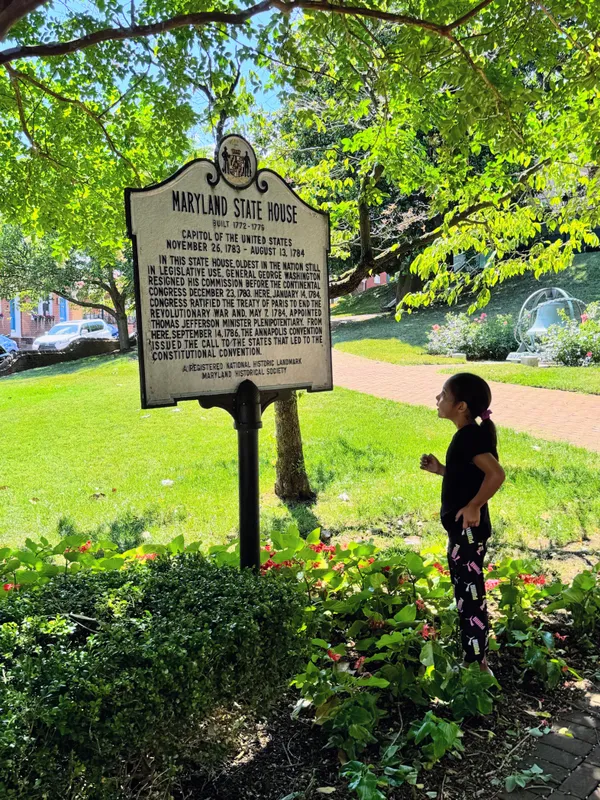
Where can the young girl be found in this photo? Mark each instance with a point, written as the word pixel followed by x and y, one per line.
pixel 471 477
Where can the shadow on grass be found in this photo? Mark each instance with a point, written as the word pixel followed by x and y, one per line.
pixel 125 531
pixel 71 367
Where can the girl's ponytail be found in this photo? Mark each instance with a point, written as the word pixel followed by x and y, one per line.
pixel 476 393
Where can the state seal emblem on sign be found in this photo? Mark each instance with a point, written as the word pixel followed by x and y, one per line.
pixel 237 161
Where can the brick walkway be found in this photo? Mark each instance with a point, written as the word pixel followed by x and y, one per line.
pixel 546 413
pixel 572 757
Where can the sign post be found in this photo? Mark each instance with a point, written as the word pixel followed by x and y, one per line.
pixel 231 281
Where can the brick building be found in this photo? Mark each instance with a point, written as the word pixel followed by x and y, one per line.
pixel 25 326
pixel 371 281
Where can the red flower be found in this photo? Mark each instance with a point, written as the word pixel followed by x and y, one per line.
pixel 316 564
pixel 360 661
pixel 535 580
pixel 339 567
pixel 146 556
pixel 435 327
pixel 428 631
pixel 440 568
pixel 401 580
pixel 85 547
pixel 370 561
pixel 333 656
pixel 268 548
pixel 386 569
pixel 317 547
pixel 419 604
pixel 491 567
pixel 489 585
pixel 560 637
pixel 8 587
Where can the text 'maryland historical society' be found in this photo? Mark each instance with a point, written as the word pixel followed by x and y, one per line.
pixel 231 280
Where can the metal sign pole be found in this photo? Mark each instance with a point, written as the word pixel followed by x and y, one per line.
pixel 246 407
pixel 248 422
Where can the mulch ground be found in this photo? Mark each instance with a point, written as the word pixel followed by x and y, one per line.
pixel 279 756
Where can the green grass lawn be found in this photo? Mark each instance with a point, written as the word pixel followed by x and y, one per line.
pixel 369 302
pixel 374 338
pixel 571 379
pixel 77 445
pixel 396 352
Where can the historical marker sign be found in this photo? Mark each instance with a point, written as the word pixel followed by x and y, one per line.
pixel 231 281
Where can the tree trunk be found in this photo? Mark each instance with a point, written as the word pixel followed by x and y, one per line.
pixel 406 284
pixel 291 483
pixel 121 318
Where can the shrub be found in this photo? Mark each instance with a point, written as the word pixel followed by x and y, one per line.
pixel 574 344
pixel 107 676
pixel 480 338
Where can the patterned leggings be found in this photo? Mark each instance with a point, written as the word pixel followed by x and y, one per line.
pixel 466 553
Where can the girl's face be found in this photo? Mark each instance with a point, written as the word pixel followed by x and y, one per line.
pixel 447 407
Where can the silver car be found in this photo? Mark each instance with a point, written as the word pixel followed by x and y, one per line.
pixel 62 335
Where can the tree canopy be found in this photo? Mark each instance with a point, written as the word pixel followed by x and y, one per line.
pixel 489 109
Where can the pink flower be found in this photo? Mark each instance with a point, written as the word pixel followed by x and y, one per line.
pixel 483 316
pixel 146 556
pixel 489 585
pixel 428 631
pixel 435 327
pixel 505 322
pixel 560 637
pixel 419 604
pixel 339 567
pixel 85 547
pixel 585 317
pixel 359 663
pixel 333 656
pixel 589 355
pixel 79 284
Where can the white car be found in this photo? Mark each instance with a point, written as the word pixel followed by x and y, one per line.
pixel 62 335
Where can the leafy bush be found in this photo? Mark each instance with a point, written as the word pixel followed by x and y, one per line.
pixel 109 677
pixel 574 344
pixel 138 648
pixel 478 338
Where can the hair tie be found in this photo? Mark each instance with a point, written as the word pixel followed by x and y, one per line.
pixel 486 415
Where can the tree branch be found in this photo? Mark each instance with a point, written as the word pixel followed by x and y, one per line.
pixel 16 76
pixel 388 258
pixel 84 303
pixel 221 17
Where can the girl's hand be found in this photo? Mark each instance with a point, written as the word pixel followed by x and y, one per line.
pixel 431 464
pixel 471 516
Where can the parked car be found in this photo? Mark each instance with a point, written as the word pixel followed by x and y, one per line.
pixel 63 334
pixel 7 346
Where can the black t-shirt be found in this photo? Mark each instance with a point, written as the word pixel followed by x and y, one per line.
pixel 462 479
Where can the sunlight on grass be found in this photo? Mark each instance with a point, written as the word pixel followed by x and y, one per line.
pixel 77 445
pixel 393 351
pixel 570 379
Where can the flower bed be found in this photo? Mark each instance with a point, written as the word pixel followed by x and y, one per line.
pixel 109 658
pixel 479 338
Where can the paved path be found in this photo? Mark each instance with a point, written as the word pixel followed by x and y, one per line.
pixel 570 754
pixel 546 413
